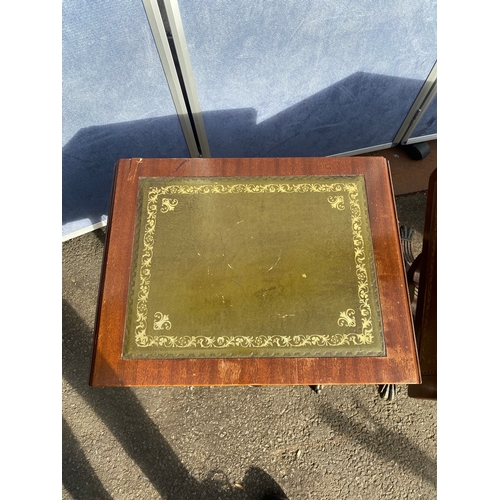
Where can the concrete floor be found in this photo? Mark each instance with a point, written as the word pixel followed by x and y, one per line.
pixel 237 442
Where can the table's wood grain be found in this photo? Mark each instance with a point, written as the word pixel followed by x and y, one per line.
pixel 399 366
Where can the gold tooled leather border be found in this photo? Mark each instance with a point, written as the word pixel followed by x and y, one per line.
pixel 220 185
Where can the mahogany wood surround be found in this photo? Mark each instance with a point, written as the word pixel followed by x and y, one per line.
pixel 399 366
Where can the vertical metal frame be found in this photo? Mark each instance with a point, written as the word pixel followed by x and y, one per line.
pixel 167 61
pixel 422 101
pixel 179 41
pixel 425 104
pixel 411 140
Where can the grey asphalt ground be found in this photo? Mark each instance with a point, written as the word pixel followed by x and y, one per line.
pixel 232 442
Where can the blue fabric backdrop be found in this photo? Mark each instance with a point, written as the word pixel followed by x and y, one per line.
pixel 116 103
pixel 322 77
pixel 274 78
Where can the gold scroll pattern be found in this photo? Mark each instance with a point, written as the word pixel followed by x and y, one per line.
pixel 168 205
pixel 336 202
pixel 347 318
pixel 366 335
pixel 161 322
pixel 220 342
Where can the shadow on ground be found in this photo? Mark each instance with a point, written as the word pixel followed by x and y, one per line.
pixel 139 436
pixel 390 445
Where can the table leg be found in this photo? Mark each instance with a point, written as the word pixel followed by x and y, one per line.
pixel 317 388
pixel 387 392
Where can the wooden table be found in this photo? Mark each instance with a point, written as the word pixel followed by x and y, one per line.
pixel 400 364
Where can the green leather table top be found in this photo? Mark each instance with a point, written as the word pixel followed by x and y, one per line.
pixel 253 267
